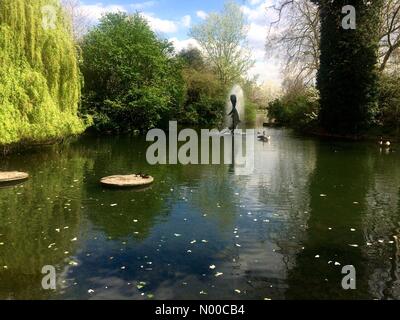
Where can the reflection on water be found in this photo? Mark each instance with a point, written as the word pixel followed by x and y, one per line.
pixel 202 232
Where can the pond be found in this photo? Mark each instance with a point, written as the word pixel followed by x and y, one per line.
pixel 202 232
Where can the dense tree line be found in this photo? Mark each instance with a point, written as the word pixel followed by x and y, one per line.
pixel 354 70
pixel 117 76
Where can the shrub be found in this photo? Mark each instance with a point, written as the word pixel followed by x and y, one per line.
pixel 298 110
pixel 389 103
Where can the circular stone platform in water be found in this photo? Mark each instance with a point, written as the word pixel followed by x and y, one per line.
pixel 128 181
pixel 13 176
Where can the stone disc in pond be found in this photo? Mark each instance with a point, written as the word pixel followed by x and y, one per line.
pixel 128 181
pixel 13 176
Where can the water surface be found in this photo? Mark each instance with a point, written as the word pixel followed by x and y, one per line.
pixel 202 232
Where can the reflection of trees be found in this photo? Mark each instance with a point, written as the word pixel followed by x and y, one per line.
pixel 111 157
pixel 381 222
pixel 31 213
pixel 344 178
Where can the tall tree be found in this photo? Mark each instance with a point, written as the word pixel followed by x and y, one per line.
pixel 132 80
pixel 222 36
pixel 39 75
pixel 348 73
pixel 298 38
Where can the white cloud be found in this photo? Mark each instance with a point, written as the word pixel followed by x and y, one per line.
pixel 184 44
pixel 95 11
pixel 187 21
pixel 201 14
pixel 160 25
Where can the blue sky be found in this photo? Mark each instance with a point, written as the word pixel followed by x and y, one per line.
pixel 172 19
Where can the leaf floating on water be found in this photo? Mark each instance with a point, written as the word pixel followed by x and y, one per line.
pixel 150 296
pixel 73 263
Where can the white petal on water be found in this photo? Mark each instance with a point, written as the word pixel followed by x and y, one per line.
pixel 212 267
pixel 204 241
pixel 238 291
pixel 193 242
pixel 218 274
pixel 353 245
pixel 177 235
pixel 74 239
pixel 238 245
pixel 90 291
pixel 113 205
pixel 317 256
pixel 337 264
pixel 353 230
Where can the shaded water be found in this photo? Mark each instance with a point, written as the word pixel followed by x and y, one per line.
pixel 280 233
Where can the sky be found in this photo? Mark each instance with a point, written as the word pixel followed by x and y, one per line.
pixel 172 19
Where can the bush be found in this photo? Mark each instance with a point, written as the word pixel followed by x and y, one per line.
pixel 204 103
pixel 299 111
pixel 132 80
pixel 389 103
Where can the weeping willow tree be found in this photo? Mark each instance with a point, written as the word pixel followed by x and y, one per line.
pixel 39 75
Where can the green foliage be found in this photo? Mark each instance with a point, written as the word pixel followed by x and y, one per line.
pixel 347 78
pixel 388 117
pixel 298 110
pixel 223 38
pixel 132 80
pixel 39 75
pixel 205 96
